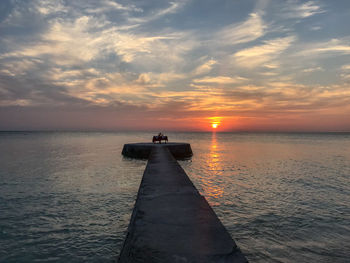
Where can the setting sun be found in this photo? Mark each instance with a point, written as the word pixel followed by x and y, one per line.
pixel 215 122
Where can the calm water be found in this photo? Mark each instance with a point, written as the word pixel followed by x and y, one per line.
pixel 69 196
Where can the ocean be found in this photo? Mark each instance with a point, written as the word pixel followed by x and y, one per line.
pixel 68 196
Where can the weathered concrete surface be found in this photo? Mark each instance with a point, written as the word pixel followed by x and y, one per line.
pixel 143 150
pixel 172 222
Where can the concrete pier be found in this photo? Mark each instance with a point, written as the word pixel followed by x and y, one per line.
pixel 143 150
pixel 171 221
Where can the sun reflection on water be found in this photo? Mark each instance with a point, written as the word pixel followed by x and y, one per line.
pixel 214 188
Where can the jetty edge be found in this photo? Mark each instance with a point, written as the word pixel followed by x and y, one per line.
pixel 143 150
pixel 171 221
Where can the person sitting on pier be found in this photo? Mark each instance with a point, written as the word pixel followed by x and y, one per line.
pixel 159 138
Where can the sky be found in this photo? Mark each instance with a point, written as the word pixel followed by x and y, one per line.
pixel 244 65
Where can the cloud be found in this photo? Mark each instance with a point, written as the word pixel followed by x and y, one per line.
pixel 47 7
pixel 70 62
pixel 249 30
pixel 19 67
pixel 87 38
pixel 174 6
pixel 294 9
pixel 326 49
pixel 345 76
pixel 172 9
pixel 315 28
pixel 205 68
pixel 345 72
pixel 65 42
pixel 219 80
pixel 258 55
pixel 345 49
pixel 345 67
pixel 310 70
pixel 19 90
pixel 109 5
pixel 287 98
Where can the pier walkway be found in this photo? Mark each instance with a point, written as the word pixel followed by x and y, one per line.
pixel 171 221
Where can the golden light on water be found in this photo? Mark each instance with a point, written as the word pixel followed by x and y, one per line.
pixel 214 190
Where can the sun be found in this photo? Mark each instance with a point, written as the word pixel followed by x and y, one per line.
pixel 215 122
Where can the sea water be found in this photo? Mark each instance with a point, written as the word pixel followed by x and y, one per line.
pixel 68 196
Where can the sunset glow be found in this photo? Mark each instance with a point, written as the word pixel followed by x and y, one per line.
pixel 215 122
pixel 92 65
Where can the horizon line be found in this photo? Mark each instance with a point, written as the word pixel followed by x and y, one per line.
pixel 175 131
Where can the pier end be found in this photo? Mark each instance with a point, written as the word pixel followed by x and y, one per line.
pixel 143 150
